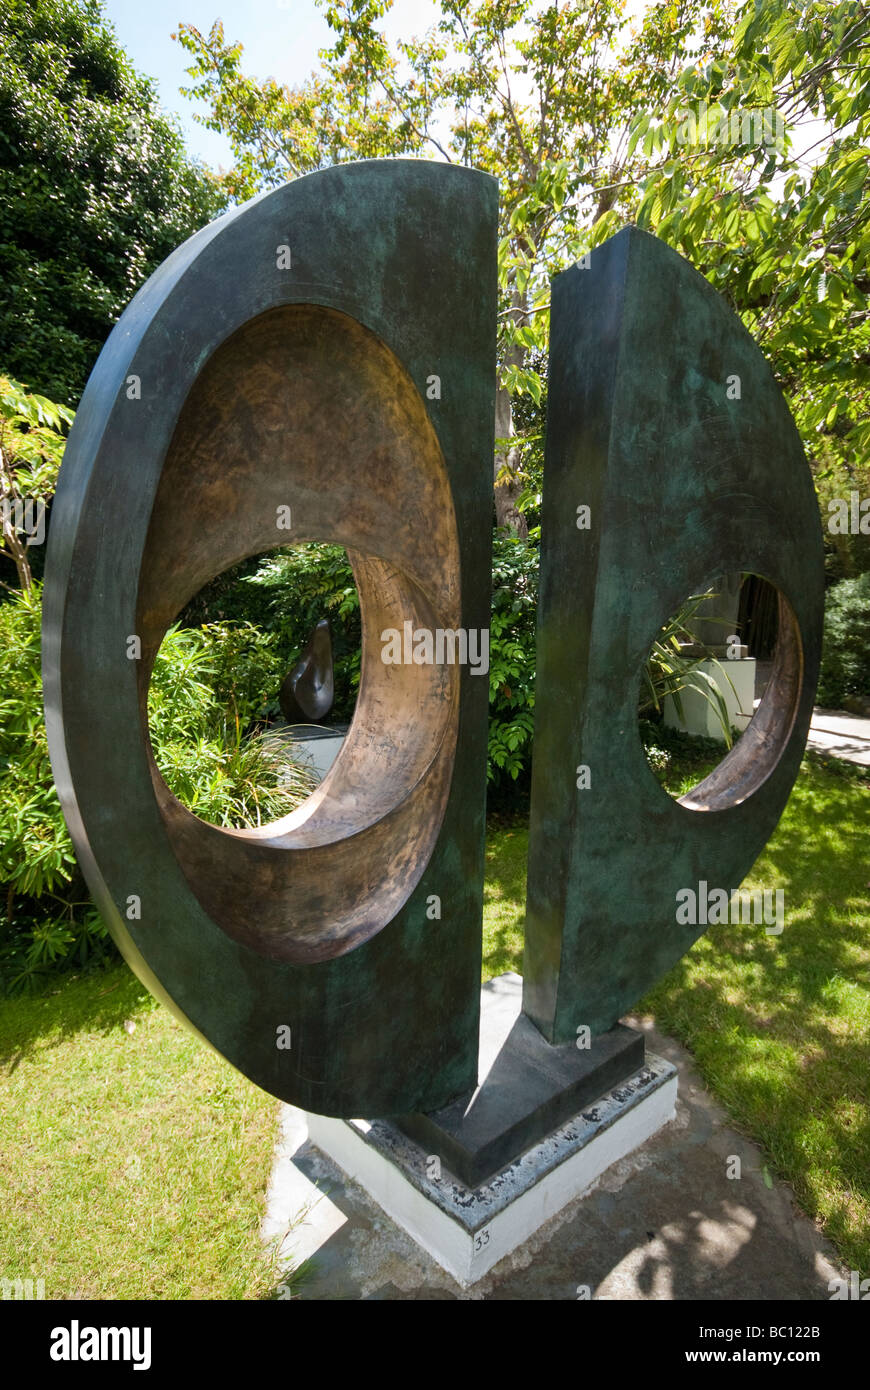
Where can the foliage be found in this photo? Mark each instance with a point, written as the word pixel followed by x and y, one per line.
pixel 299 586
pixel 240 669
pixel 845 669
pixel 205 687
pixel 455 94
pixel 95 189
pixel 677 759
pixel 847 554
pixel 197 707
pixel 36 854
pixel 669 670
pixel 512 656
pixel 784 237
pixel 284 594
pixel 31 446
pixel 46 914
pixel 290 590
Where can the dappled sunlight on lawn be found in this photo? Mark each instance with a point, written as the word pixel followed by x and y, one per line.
pixel 779 1025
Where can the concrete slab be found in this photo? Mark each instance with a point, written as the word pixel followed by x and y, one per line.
pixel 468 1230
pixel 736 680
pixel 841 735
pixel 664 1223
pixel 315 744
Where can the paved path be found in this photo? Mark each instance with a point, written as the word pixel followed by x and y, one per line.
pixel 665 1223
pixel 840 734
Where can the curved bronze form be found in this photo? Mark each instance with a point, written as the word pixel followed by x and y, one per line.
pixel 303 407
pixel 308 689
pixel 664 420
pixel 318 365
pixel 288 375
pixel 747 765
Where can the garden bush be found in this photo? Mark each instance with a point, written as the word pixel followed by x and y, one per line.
pixel 208 685
pixel 46 916
pixel 845 672
pixel 512 658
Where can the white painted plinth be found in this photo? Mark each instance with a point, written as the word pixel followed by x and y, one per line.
pixel 736 680
pixel 469 1230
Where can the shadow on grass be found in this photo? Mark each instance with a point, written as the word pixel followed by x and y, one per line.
pixel 780 1025
pixel 98 1001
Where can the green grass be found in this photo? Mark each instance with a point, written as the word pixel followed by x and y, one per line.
pixel 132 1164
pixel 504 898
pixel 779 1025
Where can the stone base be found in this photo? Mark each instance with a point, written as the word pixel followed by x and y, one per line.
pixel 469 1226
pixel 526 1088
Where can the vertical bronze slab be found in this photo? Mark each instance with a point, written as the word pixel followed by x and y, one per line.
pixel 684 481
pixel 329 348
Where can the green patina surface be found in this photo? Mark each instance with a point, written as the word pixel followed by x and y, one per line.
pixel 407 248
pixel 685 481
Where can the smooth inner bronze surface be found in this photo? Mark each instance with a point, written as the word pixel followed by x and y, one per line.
pixel 307 409
pixel 757 752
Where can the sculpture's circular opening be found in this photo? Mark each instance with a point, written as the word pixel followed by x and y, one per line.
pixel 720 691
pixel 304 427
pixel 254 686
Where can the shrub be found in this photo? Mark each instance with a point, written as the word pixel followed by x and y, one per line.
pixel 95 189
pixel 284 596
pixel 668 671
pixel 512 657
pixel 205 684
pixel 32 442
pixel 46 914
pixel 845 669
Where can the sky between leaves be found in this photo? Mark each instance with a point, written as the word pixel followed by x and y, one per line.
pixel 281 39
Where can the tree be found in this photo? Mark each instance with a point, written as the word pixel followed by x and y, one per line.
pixel 532 96
pixel 95 190
pixel 580 117
pixel 31 447
pixel 778 215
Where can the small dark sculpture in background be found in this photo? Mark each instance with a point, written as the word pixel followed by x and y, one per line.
pixel 308 690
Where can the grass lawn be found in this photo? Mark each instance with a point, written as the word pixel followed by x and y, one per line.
pixel 133 1164
pixel 780 1026
pixel 504 897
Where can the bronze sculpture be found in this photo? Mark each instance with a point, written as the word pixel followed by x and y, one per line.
pixel 308 689
pixel 292 362
pixel 325 357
